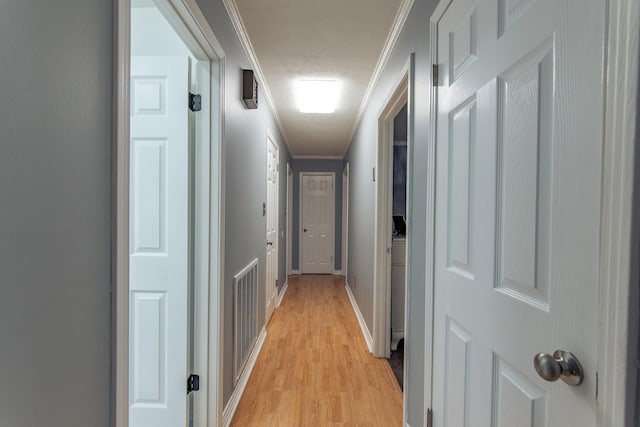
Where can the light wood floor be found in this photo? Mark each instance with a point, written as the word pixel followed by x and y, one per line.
pixel 314 368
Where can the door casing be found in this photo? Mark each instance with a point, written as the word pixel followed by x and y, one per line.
pixel 616 391
pixel 191 25
pixel 401 95
pixel 289 216
pixel 345 219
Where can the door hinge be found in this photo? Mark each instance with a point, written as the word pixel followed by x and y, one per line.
pixel 434 75
pixel 195 102
pixel 429 418
pixel 193 383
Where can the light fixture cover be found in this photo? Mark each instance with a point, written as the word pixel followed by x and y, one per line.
pixel 317 96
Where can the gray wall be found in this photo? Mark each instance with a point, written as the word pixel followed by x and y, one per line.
pixel 55 212
pixel 316 165
pixel 245 186
pixel 361 156
pixel 633 388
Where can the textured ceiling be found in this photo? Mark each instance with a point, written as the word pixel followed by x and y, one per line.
pixel 318 39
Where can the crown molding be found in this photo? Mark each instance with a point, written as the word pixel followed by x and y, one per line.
pixel 243 36
pixel 390 43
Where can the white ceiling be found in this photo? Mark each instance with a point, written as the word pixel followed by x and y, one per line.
pixel 318 39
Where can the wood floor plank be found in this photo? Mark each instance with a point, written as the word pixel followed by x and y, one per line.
pixel 314 368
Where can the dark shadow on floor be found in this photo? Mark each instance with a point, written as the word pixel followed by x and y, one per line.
pixel 397 362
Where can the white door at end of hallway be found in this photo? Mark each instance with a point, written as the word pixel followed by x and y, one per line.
pixel 317 223
pixel 518 193
pixel 159 239
pixel 271 275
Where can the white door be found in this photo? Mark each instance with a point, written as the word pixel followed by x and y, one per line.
pixel 272 226
pixel 317 223
pixel 158 242
pixel 519 130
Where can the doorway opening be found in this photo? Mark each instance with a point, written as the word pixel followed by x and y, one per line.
pixel 399 243
pixel 168 215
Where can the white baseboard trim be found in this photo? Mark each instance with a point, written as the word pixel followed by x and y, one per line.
pixel 363 325
pixel 234 400
pixel 396 336
pixel 295 272
pixel 337 273
pixel 281 294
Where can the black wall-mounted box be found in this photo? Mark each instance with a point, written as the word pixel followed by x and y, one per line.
pixel 249 89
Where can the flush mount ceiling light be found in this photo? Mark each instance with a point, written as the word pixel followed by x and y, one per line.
pixel 317 96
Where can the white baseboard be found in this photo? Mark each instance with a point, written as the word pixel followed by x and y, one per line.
pixel 363 326
pixel 337 273
pixel 232 405
pixel 396 336
pixel 281 294
pixel 295 272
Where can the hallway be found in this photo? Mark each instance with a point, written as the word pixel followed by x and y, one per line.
pixel 314 368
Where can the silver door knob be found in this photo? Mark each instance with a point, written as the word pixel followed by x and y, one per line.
pixel 562 365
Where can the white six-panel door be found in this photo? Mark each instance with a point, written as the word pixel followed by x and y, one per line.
pixel 272 226
pixel 519 135
pixel 158 242
pixel 317 222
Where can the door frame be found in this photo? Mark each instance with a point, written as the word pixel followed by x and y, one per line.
pixel 402 93
pixel 270 137
pixel 616 379
pixel 188 21
pixel 289 218
pixel 333 219
pixel 345 219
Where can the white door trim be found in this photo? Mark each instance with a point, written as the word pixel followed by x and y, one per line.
pixel 345 219
pixel 615 395
pixel 189 22
pixel 616 373
pixel 401 95
pixel 333 217
pixel 289 216
pixel 431 211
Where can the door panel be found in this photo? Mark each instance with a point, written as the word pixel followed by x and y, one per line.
pixel 272 226
pixel 517 209
pixel 317 223
pixel 159 241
